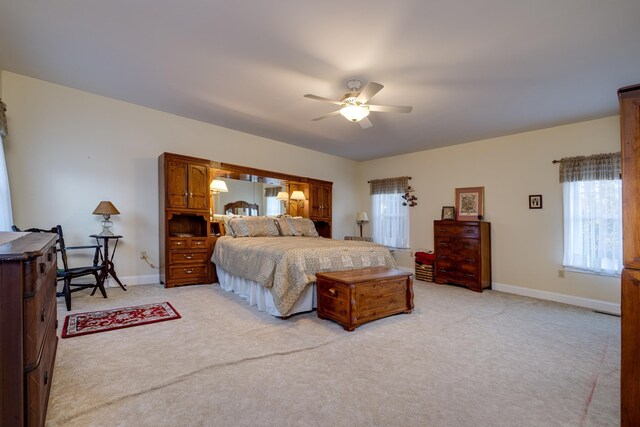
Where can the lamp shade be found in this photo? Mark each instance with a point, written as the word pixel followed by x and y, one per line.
pixel 218 186
pixel 298 195
pixel 355 113
pixel 362 217
pixel 106 208
pixel 282 195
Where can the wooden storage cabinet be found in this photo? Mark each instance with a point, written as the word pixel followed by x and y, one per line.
pixel 185 247
pixel 630 306
pixel 463 253
pixel 320 200
pixel 320 206
pixel 28 323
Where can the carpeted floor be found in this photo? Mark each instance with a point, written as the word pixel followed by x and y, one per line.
pixel 460 359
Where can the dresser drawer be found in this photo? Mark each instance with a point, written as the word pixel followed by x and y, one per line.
pixel 444 245
pixel 187 257
pixel 38 380
pixel 36 270
pixel 189 272
pixel 198 242
pixel 178 243
pixel 38 313
pixel 457 230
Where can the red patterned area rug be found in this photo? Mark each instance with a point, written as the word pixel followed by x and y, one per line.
pixel 107 320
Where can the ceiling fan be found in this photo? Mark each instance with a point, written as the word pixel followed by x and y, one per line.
pixel 354 107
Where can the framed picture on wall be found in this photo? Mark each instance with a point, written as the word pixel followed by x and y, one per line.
pixel 469 203
pixel 448 212
pixel 535 201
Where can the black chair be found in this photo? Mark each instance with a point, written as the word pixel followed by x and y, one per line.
pixel 66 274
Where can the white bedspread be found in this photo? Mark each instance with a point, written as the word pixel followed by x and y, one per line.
pixel 286 265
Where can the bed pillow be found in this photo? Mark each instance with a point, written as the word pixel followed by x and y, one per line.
pixel 257 226
pixel 304 226
pixel 224 219
pixel 287 228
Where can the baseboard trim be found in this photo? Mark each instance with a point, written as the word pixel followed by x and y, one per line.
pixel 604 306
pixel 134 280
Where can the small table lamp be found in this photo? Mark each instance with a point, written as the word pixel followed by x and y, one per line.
pixel 106 209
pixel 361 218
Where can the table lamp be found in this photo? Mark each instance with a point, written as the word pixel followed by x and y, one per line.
pixel 106 209
pixel 361 218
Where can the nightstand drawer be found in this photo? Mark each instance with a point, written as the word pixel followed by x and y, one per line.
pixel 194 272
pixel 187 257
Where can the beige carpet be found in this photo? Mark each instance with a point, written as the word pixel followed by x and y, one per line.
pixel 460 359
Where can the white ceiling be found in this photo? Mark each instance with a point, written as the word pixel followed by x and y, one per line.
pixel 471 69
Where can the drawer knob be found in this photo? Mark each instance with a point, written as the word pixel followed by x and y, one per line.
pixel 470 260
pixel 188 257
pixel 442 257
pixel 42 315
pixel 443 230
pixel 188 271
pixel 43 267
pixel 470 275
pixel 332 292
pixel 178 243
pixel 443 270
pixel 199 243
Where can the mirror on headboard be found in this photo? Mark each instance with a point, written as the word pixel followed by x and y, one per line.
pixel 260 194
pixel 251 190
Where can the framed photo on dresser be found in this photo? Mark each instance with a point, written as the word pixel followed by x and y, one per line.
pixel 469 203
pixel 448 212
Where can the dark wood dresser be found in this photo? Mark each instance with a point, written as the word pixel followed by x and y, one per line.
pixel 28 324
pixel 463 253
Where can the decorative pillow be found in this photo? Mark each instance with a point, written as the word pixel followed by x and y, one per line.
pixel 228 230
pixel 287 228
pixel 304 226
pixel 257 226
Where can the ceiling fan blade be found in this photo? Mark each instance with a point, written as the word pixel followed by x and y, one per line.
pixel 390 108
pixel 333 113
pixel 365 123
pixel 369 92
pixel 319 98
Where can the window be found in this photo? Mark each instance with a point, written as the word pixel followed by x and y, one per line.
pixel 592 203
pixel 273 206
pixel 6 219
pixel 389 219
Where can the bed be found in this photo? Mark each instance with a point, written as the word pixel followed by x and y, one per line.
pixel 274 266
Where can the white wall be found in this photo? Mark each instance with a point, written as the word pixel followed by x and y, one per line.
pixel 68 149
pixel 526 244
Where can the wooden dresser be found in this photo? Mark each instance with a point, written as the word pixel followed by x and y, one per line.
pixel 630 324
pixel 463 253
pixel 185 246
pixel 28 324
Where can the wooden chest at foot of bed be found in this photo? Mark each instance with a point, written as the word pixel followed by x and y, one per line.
pixel 354 297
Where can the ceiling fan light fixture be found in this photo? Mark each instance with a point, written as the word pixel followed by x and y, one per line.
pixel 354 113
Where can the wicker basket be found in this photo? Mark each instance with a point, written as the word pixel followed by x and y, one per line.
pixel 424 272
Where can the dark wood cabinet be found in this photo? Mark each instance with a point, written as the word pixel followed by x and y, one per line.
pixel 28 323
pixel 630 362
pixel 320 200
pixel 320 206
pixel 185 247
pixel 463 253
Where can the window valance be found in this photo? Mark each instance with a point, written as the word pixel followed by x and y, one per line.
pixel 389 185
pixel 271 191
pixel 599 167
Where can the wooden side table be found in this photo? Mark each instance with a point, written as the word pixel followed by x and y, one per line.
pixel 108 267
